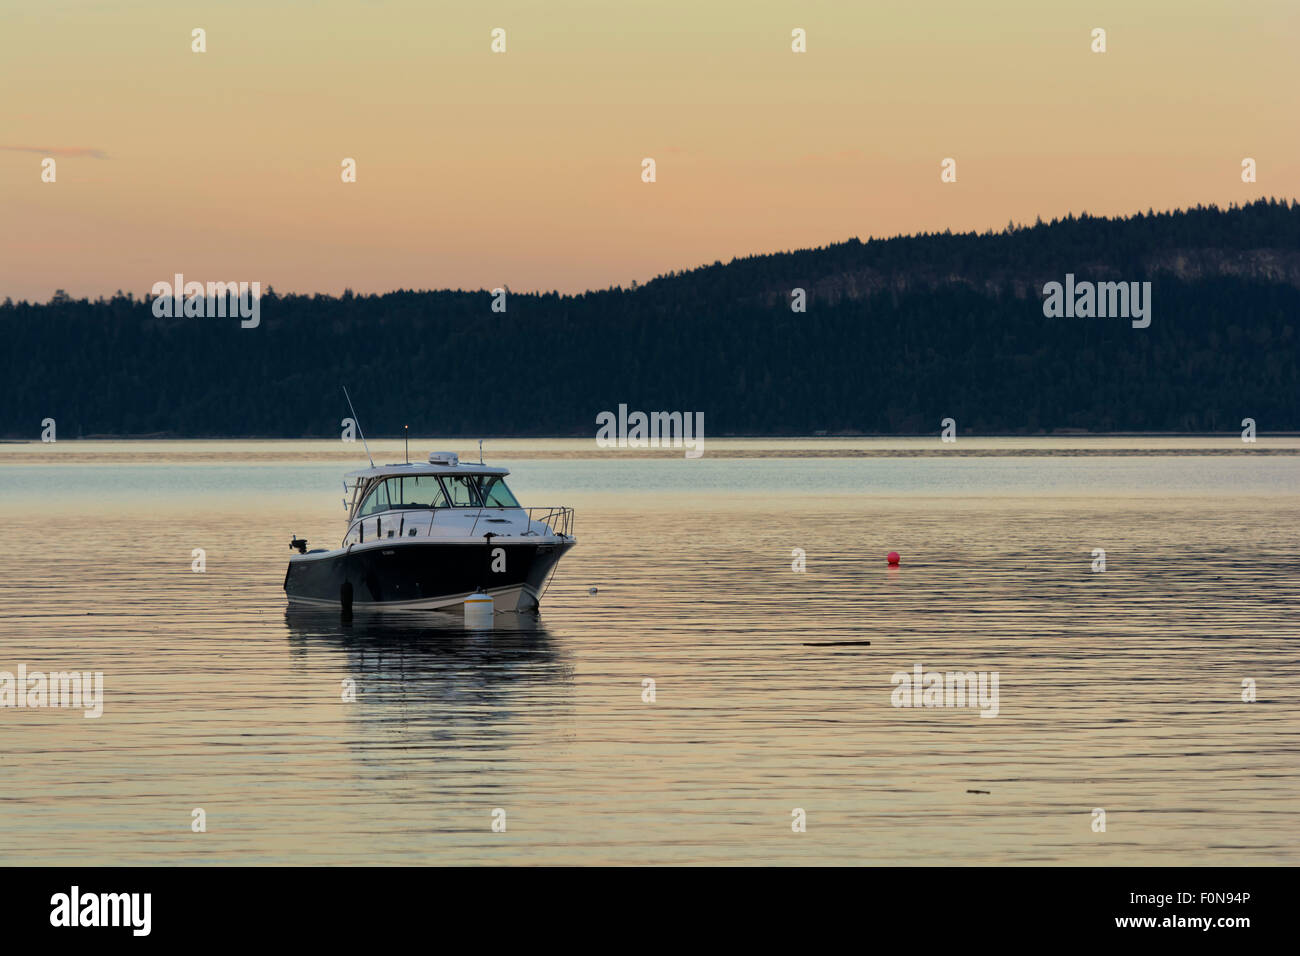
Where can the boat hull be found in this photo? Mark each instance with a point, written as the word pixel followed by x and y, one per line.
pixel 424 575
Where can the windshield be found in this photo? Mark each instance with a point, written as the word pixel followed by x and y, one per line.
pixel 418 491
pixel 429 491
pixel 494 492
pixel 462 491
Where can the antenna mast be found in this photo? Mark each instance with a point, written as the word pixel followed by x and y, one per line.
pixel 359 431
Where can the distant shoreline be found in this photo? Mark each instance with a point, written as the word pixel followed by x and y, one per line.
pixel 216 451
pixel 1037 436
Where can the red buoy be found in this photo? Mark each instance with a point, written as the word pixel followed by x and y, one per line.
pixel 893 557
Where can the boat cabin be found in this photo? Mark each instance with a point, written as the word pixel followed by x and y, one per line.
pixel 445 483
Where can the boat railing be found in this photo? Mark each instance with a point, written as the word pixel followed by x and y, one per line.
pixel 558 518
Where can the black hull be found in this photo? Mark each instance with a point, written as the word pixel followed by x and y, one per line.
pixel 423 574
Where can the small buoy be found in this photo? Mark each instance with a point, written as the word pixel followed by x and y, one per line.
pixel 893 557
pixel 478 610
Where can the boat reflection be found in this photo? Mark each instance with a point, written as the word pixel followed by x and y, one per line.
pixel 427 670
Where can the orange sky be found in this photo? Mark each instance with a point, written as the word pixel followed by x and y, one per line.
pixel 523 169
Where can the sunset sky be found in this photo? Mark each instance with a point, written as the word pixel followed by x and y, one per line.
pixel 523 169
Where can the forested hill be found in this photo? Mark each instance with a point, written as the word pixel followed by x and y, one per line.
pixel 897 335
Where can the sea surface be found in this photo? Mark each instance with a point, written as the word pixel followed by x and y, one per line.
pixel 1120 692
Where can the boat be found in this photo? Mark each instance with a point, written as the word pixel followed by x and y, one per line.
pixel 423 536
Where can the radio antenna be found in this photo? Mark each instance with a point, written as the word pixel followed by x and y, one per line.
pixel 359 431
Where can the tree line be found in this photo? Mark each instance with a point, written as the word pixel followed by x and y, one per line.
pixel 895 335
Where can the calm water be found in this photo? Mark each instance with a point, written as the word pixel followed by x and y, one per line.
pixel 1119 690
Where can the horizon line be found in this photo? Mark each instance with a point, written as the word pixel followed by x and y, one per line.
pixel 1010 229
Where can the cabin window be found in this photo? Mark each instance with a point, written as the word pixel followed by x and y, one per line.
pixel 417 491
pixel 462 491
pixel 377 500
pixel 494 492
